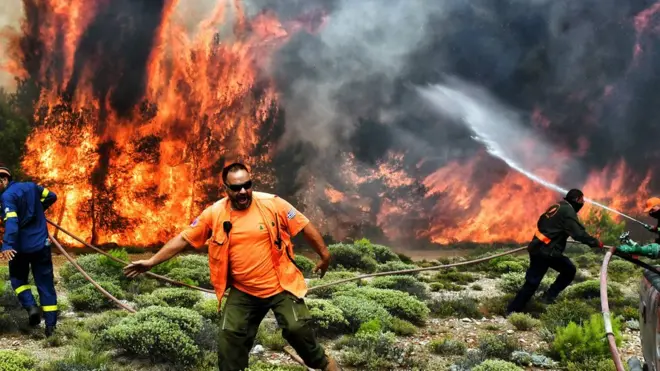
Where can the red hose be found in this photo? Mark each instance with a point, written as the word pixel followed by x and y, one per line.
pixel 606 310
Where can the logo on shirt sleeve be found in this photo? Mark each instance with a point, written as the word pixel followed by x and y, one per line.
pixel 195 222
pixel 291 214
pixel 7 210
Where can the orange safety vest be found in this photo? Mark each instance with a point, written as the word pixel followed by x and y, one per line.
pixel 291 279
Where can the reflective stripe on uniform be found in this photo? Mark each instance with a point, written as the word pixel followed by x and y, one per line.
pixel 44 194
pixel 542 237
pixel 11 214
pixel 20 289
pixel 49 308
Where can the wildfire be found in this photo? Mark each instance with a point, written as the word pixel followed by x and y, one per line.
pixel 134 127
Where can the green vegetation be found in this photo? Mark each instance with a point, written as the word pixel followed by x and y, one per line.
pixel 368 324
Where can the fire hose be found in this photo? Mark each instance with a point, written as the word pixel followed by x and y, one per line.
pixel 154 275
pixel 626 251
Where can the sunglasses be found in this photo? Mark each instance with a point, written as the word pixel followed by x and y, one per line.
pixel 237 187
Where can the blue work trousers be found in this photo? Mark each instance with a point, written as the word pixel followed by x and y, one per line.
pixel 41 263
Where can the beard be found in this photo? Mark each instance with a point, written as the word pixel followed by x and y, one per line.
pixel 241 201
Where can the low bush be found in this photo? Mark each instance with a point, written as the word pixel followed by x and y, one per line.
pixel 351 258
pixel 402 328
pixel 358 310
pixel 327 318
pixel 192 269
pixel 510 283
pixel 577 343
pixel 178 297
pixel 454 276
pixel 382 254
pixel 259 365
pixel 461 307
pixel 305 264
pixel 398 304
pixel 80 359
pixel 270 336
pixel 99 267
pixel 498 346
pixel 100 322
pixel 445 286
pixel 594 364
pixel 370 349
pixel 523 321
pixel 407 284
pixel 393 266
pixel 139 286
pixel 329 277
pixel 15 361
pixel 448 347
pixel 208 309
pixel 589 290
pixel 161 334
pixel 563 312
pixel 497 365
pixel 89 298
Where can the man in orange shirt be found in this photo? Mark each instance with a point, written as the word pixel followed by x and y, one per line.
pixel 250 251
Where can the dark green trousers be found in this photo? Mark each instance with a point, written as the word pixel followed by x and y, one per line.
pixel 240 320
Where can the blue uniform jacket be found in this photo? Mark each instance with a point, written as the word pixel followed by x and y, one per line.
pixel 23 206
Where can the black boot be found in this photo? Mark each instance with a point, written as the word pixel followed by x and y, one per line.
pixel 49 331
pixel 547 299
pixel 34 315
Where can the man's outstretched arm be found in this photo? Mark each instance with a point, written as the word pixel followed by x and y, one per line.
pixel 315 239
pixel 171 249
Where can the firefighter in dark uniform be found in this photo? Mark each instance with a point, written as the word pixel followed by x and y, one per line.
pixel 653 209
pixel 25 245
pixel 546 250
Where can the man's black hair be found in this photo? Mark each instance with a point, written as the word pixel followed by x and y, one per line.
pixel 573 195
pixel 236 166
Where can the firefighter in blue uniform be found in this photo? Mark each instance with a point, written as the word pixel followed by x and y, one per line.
pixel 25 245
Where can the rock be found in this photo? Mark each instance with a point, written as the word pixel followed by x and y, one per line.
pixel 510 332
pixel 15 343
pixel 466 320
pixel 258 349
pixel 522 340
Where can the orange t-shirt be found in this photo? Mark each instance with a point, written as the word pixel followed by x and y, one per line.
pixel 250 263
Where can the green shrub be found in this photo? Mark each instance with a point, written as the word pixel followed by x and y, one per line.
pixel 193 269
pixel 167 266
pixel 351 258
pixel 563 312
pixel 80 359
pixel 498 346
pixel 107 263
pixel 578 343
pixel 402 328
pixel 630 312
pixel 178 297
pixel 523 321
pixel 148 300
pixel 510 283
pixel 397 303
pixel 594 364
pixel 139 286
pixel 329 277
pixel 589 290
pixel 497 305
pixel 393 266
pixel 88 298
pixel 270 337
pixel 208 309
pixel 159 333
pixel 100 322
pixel 405 258
pixel 358 310
pixel 407 284
pixel 306 265
pixel 461 307
pixel 374 350
pixel 382 254
pixel 497 365
pixel 327 318
pixel 92 264
pixel 476 287
pixel 448 347
pixel 15 361
pixel 445 286
pixel 454 276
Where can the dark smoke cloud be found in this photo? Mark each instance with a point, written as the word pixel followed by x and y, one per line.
pixel 348 87
pixel 116 46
